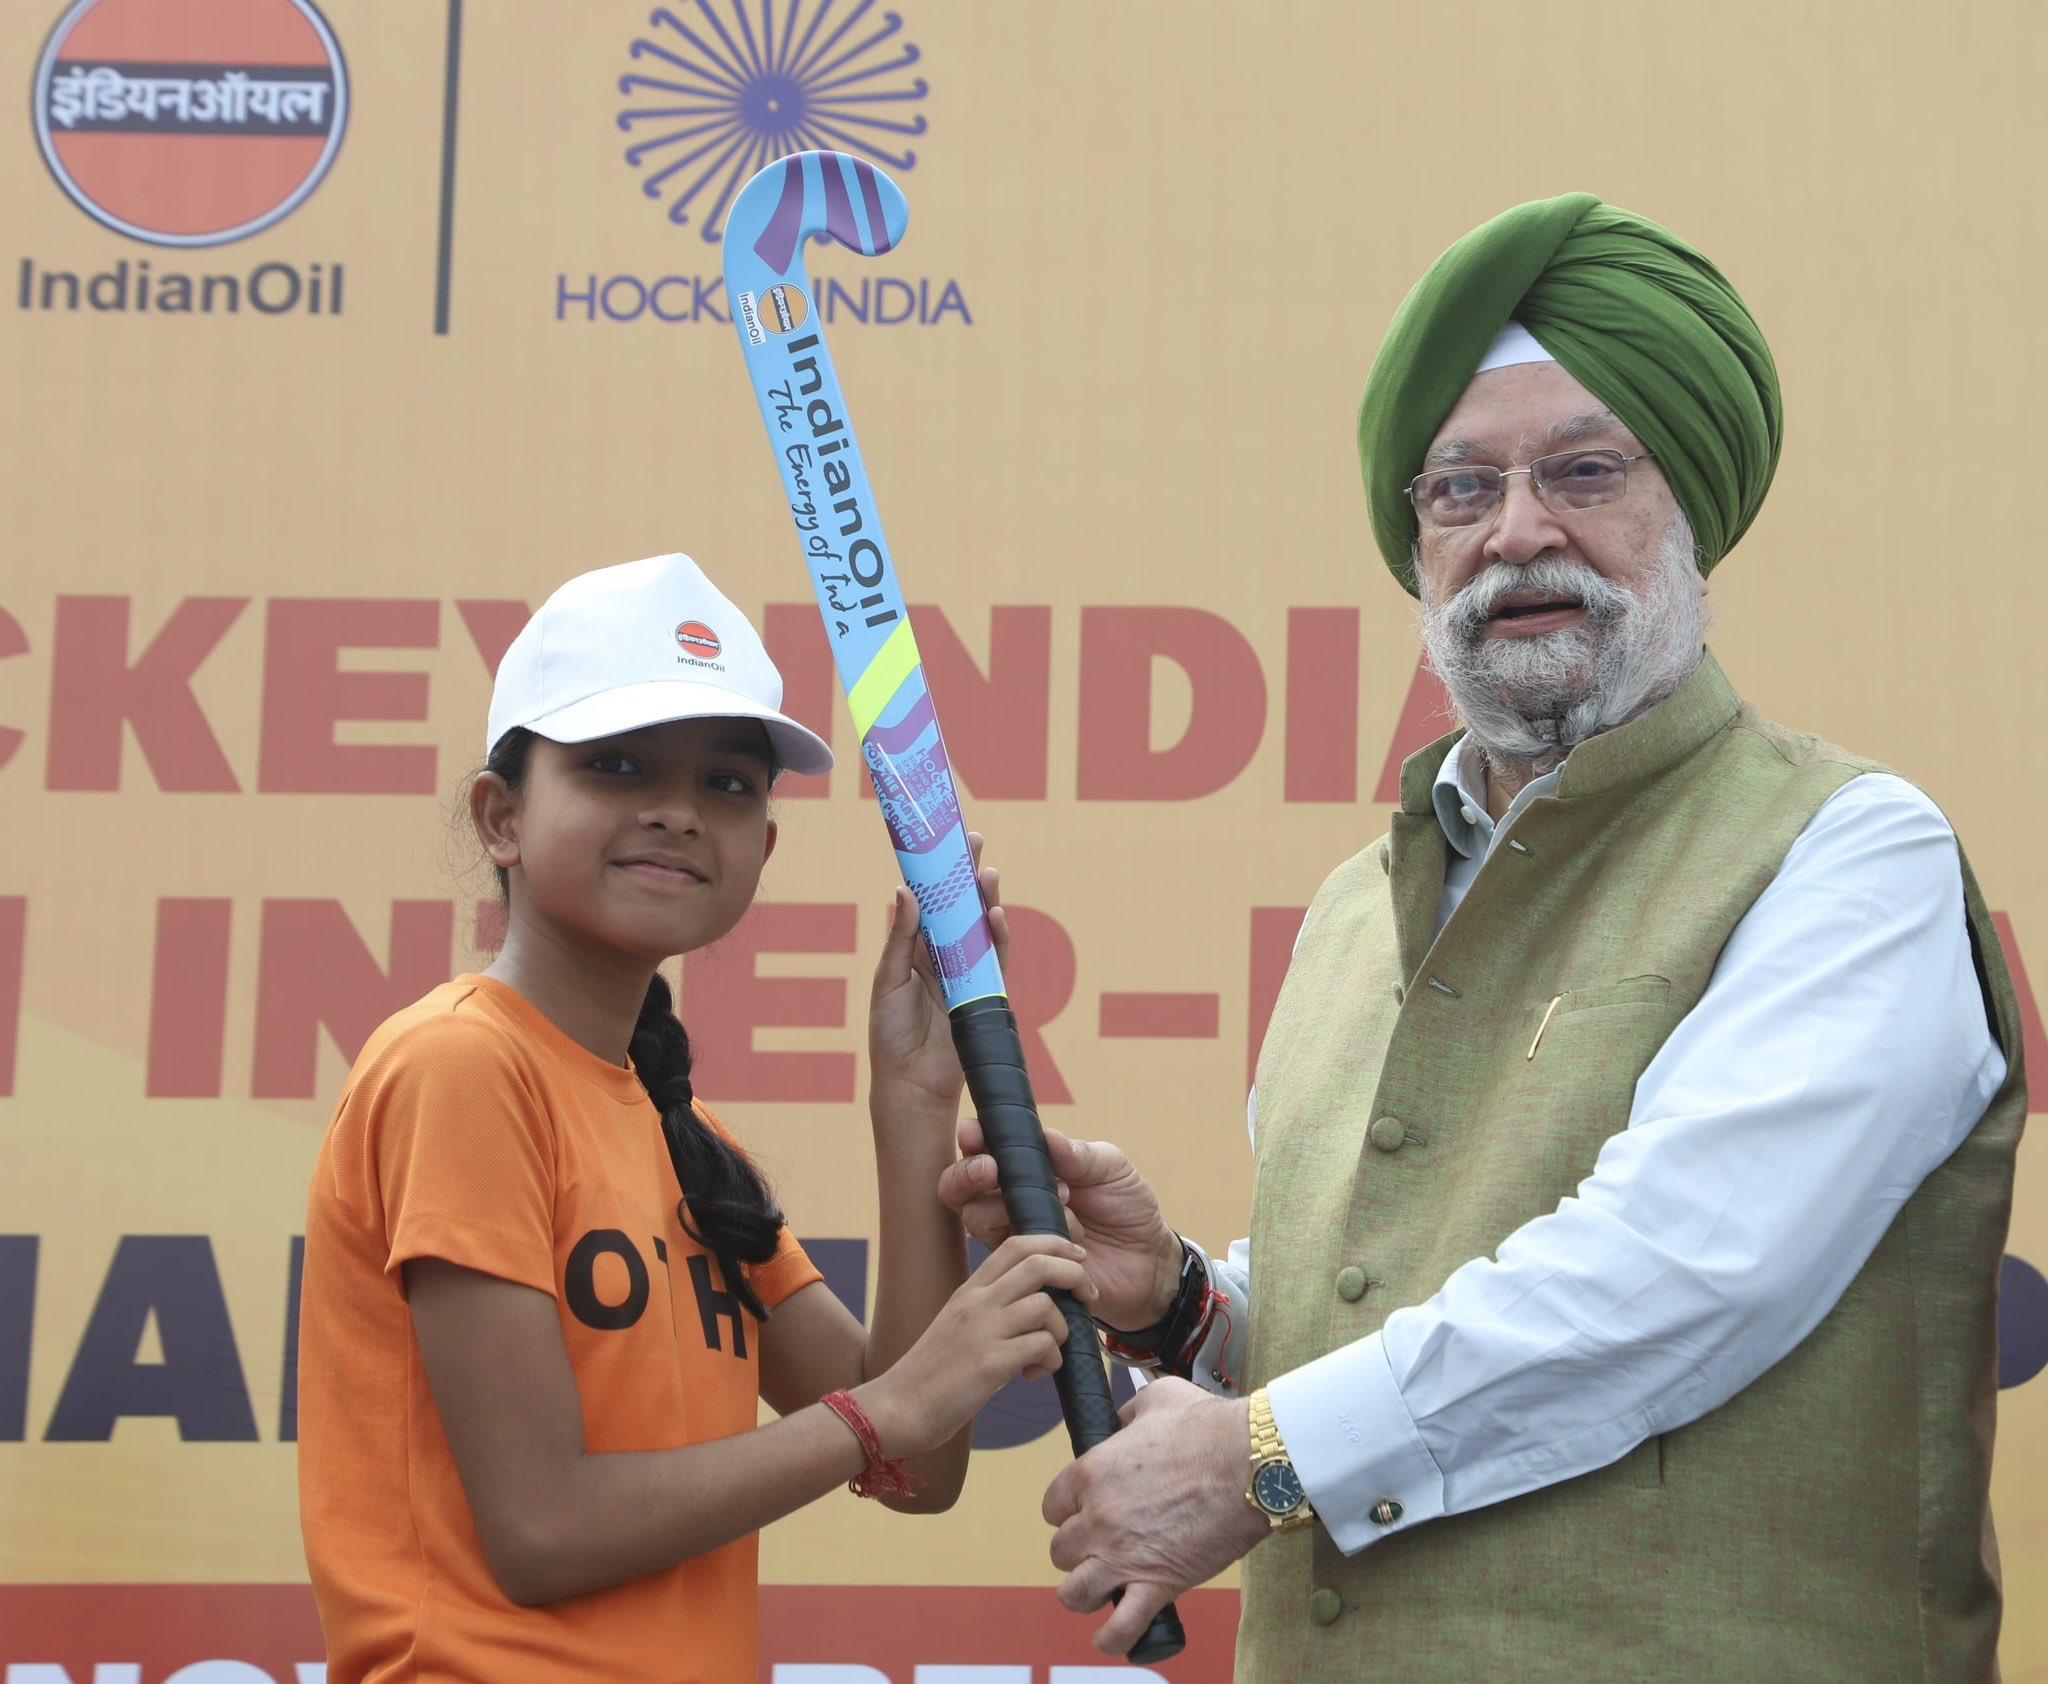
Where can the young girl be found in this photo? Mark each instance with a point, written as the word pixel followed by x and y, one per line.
pixel 527 1370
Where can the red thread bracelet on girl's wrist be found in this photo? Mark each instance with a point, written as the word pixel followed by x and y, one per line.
pixel 883 1476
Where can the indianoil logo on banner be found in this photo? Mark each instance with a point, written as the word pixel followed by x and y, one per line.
pixel 190 122
pixel 187 124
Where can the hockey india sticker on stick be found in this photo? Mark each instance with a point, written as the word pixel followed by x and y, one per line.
pixel 774 311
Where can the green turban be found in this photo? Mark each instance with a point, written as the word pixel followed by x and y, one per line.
pixel 1634 314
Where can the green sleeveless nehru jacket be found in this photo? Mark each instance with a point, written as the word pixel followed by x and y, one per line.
pixel 1832 1521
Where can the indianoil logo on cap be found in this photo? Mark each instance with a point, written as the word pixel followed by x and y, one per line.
pixel 697 639
pixel 190 122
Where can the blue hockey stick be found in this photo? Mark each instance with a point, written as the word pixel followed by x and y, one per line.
pixel 775 311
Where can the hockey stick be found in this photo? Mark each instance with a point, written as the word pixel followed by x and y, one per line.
pixel 773 307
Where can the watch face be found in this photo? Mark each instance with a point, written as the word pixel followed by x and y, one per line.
pixel 1277 1489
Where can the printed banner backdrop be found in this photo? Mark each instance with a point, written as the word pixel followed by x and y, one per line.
pixel 338 335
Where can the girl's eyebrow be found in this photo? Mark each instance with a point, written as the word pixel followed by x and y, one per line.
pixel 740 741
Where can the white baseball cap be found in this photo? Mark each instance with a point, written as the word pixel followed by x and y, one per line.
pixel 642 644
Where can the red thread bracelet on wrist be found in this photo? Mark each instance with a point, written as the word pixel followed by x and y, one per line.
pixel 883 1476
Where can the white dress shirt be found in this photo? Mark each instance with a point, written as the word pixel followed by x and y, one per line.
pixel 1839 1053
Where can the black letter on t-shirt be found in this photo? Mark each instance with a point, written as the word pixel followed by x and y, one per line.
pixel 579 1281
pixel 711 1304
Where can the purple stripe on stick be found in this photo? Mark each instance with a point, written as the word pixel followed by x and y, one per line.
pixel 777 244
pixel 919 803
pixel 957 958
pixel 871 202
pixel 839 221
pixel 894 739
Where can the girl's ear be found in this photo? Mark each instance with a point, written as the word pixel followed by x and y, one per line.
pixel 494 810
pixel 774 831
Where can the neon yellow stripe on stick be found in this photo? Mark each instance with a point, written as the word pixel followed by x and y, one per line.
pixel 895 661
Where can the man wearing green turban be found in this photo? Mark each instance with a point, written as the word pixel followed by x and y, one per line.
pixel 1633 314
pixel 1635 1127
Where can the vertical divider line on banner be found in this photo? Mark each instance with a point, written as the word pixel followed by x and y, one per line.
pixel 444 260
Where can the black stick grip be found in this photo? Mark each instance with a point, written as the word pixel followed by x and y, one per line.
pixel 992 1054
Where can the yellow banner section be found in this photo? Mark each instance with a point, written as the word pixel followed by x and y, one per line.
pixel 340 333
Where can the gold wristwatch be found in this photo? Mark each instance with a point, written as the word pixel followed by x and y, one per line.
pixel 1275 1490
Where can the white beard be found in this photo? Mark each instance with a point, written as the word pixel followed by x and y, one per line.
pixel 1528 701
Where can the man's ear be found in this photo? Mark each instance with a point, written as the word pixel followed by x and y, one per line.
pixel 774 832
pixel 494 811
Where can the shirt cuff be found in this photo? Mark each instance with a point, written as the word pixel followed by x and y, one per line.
pixel 1355 1446
pixel 1219 1359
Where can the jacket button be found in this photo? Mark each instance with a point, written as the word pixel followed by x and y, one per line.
pixel 1324 1607
pixel 1351 1283
pixel 1388 1134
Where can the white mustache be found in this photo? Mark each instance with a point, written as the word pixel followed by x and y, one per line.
pixel 1530 699
pixel 1466 614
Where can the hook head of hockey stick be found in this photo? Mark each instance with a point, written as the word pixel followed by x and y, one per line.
pixel 807 194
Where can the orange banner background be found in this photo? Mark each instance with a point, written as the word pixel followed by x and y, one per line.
pixel 276 504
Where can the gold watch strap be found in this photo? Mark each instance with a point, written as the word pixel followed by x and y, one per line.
pixel 1268 1446
pixel 1266 1442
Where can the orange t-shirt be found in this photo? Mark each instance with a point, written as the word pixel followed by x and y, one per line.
pixel 474 1130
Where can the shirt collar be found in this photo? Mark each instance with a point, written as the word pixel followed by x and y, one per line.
pixel 1461 809
pixel 1459 794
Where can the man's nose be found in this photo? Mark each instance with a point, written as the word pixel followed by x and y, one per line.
pixel 1523 528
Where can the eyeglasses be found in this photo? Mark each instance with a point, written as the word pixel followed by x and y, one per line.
pixel 1564 483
